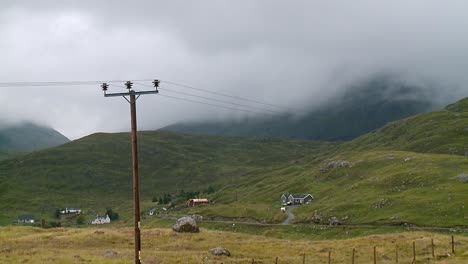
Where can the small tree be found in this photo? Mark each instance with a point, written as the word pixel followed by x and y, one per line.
pixel 80 220
pixel 112 215
pixel 57 213
pixel 210 189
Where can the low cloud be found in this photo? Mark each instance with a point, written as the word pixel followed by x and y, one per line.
pixel 297 54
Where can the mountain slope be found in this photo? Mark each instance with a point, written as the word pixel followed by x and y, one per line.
pixel 28 137
pixel 364 107
pixel 444 131
pixel 380 178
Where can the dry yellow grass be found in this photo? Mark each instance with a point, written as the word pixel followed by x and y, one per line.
pixel 115 245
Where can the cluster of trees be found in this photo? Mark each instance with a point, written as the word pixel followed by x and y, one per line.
pixel 165 198
pixel 182 195
pixel 112 215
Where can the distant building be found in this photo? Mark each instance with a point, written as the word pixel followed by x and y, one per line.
pixel 296 199
pixel 71 210
pixel 193 202
pixel 26 219
pixel 101 220
pixel 152 211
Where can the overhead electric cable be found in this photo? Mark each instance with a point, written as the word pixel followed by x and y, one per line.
pixel 227 95
pixel 214 105
pixel 78 83
pixel 216 100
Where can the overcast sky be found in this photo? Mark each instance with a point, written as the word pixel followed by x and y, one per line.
pixel 291 53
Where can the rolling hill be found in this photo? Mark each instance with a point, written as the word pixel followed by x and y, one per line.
pixel 28 137
pixel 406 172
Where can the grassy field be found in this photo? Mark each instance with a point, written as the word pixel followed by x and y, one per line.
pixel 115 245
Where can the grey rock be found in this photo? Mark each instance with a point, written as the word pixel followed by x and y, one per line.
pixel 218 251
pixel 186 224
pixel 208 260
pixel 461 177
pixel 197 218
pixel 110 253
pixel 452 150
pixel 335 221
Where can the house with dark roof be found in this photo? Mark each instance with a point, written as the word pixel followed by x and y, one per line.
pixel 26 219
pixel 296 199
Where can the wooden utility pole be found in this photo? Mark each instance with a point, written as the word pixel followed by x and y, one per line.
pixel 136 192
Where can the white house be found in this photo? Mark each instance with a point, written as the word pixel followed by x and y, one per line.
pixel 101 220
pixel 26 219
pixel 71 210
pixel 296 199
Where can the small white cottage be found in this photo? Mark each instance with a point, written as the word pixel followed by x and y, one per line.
pixel 101 220
pixel 71 210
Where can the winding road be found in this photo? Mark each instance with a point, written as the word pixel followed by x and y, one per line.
pixel 291 216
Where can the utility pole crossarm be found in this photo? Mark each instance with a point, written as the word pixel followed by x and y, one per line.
pixel 130 93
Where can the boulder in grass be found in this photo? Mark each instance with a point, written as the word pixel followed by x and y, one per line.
pixel 220 251
pixel 186 224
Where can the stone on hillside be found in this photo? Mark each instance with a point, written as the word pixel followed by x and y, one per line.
pixel 461 177
pixel 110 253
pixel 197 218
pixel 335 221
pixel 218 251
pixel 452 150
pixel 186 224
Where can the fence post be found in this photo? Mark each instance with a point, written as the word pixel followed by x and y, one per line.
pixel 453 245
pixel 352 259
pixel 276 261
pixel 414 252
pixel 329 257
pixel 432 246
pixel 375 256
pixel 303 259
pixel 396 253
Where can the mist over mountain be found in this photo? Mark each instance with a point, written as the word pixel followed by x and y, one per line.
pixel 364 107
pixel 28 137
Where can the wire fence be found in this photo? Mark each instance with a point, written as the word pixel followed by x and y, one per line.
pixel 422 250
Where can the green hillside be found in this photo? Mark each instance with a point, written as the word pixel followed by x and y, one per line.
pixel 26 137
pixel 444 131
pixel 94 172
pixel 390 176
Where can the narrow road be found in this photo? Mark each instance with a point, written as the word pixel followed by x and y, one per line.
pixel 290 215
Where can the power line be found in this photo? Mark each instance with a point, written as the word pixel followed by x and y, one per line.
pixel 227 95
pixel 81 83
pixel 214 105
pixel 216 100
pixel 197 102
pixel 64 83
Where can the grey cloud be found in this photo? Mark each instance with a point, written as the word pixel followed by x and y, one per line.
pixel 295 53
